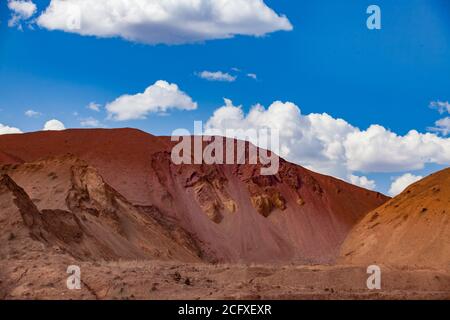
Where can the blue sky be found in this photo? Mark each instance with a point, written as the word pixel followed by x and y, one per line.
pixel 330 62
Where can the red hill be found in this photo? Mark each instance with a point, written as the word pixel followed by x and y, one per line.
pixel 231 212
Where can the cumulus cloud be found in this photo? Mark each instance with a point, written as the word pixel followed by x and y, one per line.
pixel 441 106
pixel 54 125
pixel 94 106
pixel 363 182
pixel 380 150
pixel 157 98
pixel 32 114
pixel 8 130
pixel 91 122
pixel 313 141
pixel 403 182
pixel 169 22
pixel 333 146
pixel 217 76
pixel 21 10
pixel 442 126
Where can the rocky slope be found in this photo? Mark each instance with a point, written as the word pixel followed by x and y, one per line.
pixel 63 204
pixel 224 213
pixel 413 229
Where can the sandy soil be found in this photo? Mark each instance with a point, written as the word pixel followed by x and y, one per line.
pixel 46 279
pixel 412 229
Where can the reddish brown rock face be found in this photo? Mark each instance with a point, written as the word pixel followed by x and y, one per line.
pixel 65 204
pixel 228 213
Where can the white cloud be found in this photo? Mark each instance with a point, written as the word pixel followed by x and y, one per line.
pixel 252 75
pixel 380 150
pixel 442 126
pixel 54 125
pixel 363 182
pixel 157 98
pixel 333 146
pixel 8 130
pixel 91 122
pixel 94 106
pixel 21 10
pixel 217 76
pixel 32 113
pixel 314 141
pixel 441 106
pixel 401 183
pixel 170 22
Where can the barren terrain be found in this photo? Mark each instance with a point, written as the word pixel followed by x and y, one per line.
pixel 140 227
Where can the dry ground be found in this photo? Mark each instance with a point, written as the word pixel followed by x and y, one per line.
pixel 46 279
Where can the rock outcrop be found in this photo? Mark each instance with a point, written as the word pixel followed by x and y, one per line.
pixel 64 203
pixel 223 212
